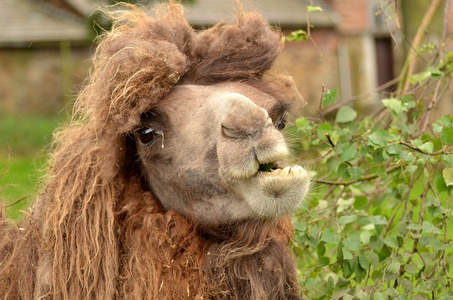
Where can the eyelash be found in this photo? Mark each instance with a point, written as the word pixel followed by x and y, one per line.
pixel 280 124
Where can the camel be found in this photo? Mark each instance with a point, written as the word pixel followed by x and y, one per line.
pixel 171 179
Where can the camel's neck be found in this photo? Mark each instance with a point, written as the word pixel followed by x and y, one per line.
pixel 254 263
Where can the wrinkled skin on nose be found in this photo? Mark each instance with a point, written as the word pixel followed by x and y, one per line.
pixel 212 153
pixel 249 130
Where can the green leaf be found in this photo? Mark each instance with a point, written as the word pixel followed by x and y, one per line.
pixel 329 97
pixel 407 285
pixel 414 227
pixel 300 226
pixel 394 267
pixel 322 129
pixel 408 101
pixel 395 105
pixel 411 169
pixel 427 227
pixel 437 128
pixel 364 261
pixel 410 269
pixel 355 172
pixel 447 159
pixel 379 296
pixel 349 152
pixel 437 245
pixel 352 243
pixel 297 36
pixel 332 163
pixel 359 272
pixel 312 8
pixel 321 249
pixel 428 147
pixel 330 236
pixel 446 121
pixel 446 136
pixel 347 270
pixel 378 220
pixel 342 282
pixel 378 155
pixel 448 175
pixel 346 254
pixel 323 261
pixel 393 149
pixel 342 171
pixel 391 242
pixel 435 72
pixel 343 220
pixel 380 138
pixel 402 189
pixel 360 202
pixel 419 77
pixel 302 123
pixel 345 114
pixel 376 242
pixel 391 292
pixel 374 259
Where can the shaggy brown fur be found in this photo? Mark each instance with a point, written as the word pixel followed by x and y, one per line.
pixel 97 232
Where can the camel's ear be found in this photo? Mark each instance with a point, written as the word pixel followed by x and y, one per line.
pixel 240 51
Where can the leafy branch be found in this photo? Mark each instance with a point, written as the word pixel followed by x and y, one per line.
pixel 376 224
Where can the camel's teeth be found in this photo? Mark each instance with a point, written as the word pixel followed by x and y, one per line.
pixel 296 170
pixel 286 170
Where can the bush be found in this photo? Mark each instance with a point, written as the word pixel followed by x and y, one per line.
pixel 379 221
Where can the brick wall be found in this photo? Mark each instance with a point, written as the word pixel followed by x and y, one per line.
pixel 354 15
pixel 312 64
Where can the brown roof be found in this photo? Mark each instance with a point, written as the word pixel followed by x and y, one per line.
pixel 28 21
pixel 285 13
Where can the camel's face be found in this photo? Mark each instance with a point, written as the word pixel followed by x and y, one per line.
pixel 211 153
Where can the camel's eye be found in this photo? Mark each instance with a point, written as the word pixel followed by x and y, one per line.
pixel 280 124
pixel 146 135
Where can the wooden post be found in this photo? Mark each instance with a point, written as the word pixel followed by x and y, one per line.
pixel 66 71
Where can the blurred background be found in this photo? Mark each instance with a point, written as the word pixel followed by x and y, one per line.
pixel 356 46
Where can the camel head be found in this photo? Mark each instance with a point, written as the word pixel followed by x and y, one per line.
pixel 217 154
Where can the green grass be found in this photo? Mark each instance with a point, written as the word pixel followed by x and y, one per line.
pixel 19 180
pixel 22 155
pixel 25 136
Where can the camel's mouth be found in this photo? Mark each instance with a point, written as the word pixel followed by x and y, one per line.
pixel 269 167
pixel 273 190
pixel 272 169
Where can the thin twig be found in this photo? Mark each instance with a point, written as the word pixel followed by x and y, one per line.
pixel 363 178
pixel 435 153
pixel 444 264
